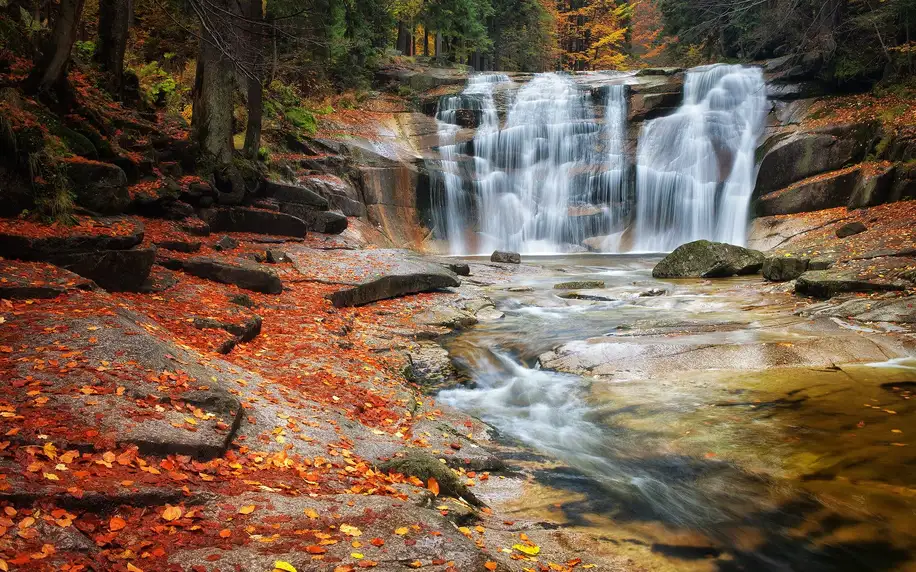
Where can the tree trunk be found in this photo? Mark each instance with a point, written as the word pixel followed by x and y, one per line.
pixel 402 45
pixel 253 10
pixel 438 44
pixel 114 21
pixel 50 71
pixel 425 41
pixel 211 120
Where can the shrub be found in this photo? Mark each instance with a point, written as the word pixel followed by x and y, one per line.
pixel 303 119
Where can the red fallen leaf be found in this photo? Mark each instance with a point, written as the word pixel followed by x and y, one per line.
pixel 315 549
pixel 490 565
pixel 225 533
pixel 377 542
pixel 116 523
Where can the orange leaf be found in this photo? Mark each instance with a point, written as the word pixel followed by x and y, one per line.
pixel 247 509
pixel 490 565
pixel 433 485
pixel 116 523
pixel 225 533
pixel 314 549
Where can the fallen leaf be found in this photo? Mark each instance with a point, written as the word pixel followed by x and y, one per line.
pixel 433 485
pixel 490 565
pixel 529 550
pixel 172 513
pixel 401 531
pixel 350 530
pixel 285 566
pixel 225 533
pixel 315 549
pixel 116 523
pixel 247 509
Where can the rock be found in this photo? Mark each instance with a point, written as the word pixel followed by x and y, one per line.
pixel 425 466
pixel 245 329
pixel 394 285
pixel 829 283
pixel 814 195
pixel 520 289
pixel 195 226
pixel 787 159
pixel 429 365
pixel 653 292
pixel 99 187
pixel 506 257
pixel 872 188
pixel 904 182
pixel 243 300
pixel 821 263
pixel 27 280
pixel 327 222
pixel 243 274
pixel 113 270
pixel 230 186
pixel 225 243
pixel 187 246
pixel 579 285
pixel 287 193
pixel 125 233
pixel 705 259
pixel 850 229
pixel 446 317
pixel 784 268
pixel 769 233
pixel 256 221
pixel 274 256
pixel 901 310
pixel 590 297
pixel 459 268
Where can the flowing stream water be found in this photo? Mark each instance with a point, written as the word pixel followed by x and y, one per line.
pixel 719 465
pixel 555 172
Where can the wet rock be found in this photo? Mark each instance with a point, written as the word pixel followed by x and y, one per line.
pixel 430 366
pixel 784 268
pixel 27 280
pixel 446 317
pixel 99 187
pixel 394 285
pixel 225 243
pixel 821 263
pixel 327 222
pixel 256 221
pixel 829 283
pixel 850 229
pixel 424 466
pixel 243 274
pixel 901 310
pixel 287 193
pixel 705 259
pixel 188 246
pixel 579 285
pixel 653 292
pixel 814 195
pixel 506 257
pixel 274 256
pixel 23 247
pixel 581 296
pixel 113 270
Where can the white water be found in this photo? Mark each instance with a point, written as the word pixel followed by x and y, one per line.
pixel 554 175
pixel 695 168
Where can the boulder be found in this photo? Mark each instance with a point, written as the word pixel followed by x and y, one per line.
pixel 224 243
pixel 506 257
pixel 230 186
pixel 243 274
pixel 829 283
pixel 579 285
pixel 287 193
pixel 425 466
pixel 850 229
pixel 705 259
pixel 27 280
pixel 873 187
pixel 396 284
pixel 125 233
pixel 256 221
pixel 904 182
pixel 274 256
pixel 327 222
pixel 901 310
pixel 113 270
pixel 784 268
pixel 787 159
pixel 98 187
pixel 812 195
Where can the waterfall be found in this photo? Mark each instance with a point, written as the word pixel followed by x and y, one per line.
pixel 612 187
pixel 695 168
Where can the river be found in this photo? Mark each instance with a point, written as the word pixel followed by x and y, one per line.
pixel 697 425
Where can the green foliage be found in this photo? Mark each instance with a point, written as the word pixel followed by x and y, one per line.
pixel 85 50
pixel 50 188
pixel 303 119
pixel 157 85
pixel 30 25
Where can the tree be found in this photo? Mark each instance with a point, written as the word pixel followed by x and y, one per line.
pixel 254 13
pixel 114 23
pixel 50 70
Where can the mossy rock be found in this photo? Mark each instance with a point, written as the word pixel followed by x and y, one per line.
pixel 78 143
pixel 425 466
pixel 579 285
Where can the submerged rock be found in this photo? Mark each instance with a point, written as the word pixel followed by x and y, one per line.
pixel 867 310
pixel 784 268
pixel 506 257
pixel 705 259
pixel 579 285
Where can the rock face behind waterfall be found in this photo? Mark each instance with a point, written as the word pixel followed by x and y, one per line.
pixel 705 259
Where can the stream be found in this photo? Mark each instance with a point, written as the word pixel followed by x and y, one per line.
pixel 699 425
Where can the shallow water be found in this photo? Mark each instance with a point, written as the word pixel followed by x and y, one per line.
pixel 797 467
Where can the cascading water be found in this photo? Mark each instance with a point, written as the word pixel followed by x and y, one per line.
pixel 695 168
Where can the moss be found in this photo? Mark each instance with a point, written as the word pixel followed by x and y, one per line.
pixel 424 466
pixel 303 119
pixel 77 143
pixel 50 188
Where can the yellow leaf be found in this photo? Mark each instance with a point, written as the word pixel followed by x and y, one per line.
pixel 132 568
pixel 357 555
pixel 247 509
pixel 350 530
pixel 311 513
pixel 172 513
pixel 401 531
pixel 285 566
pixel 529 550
